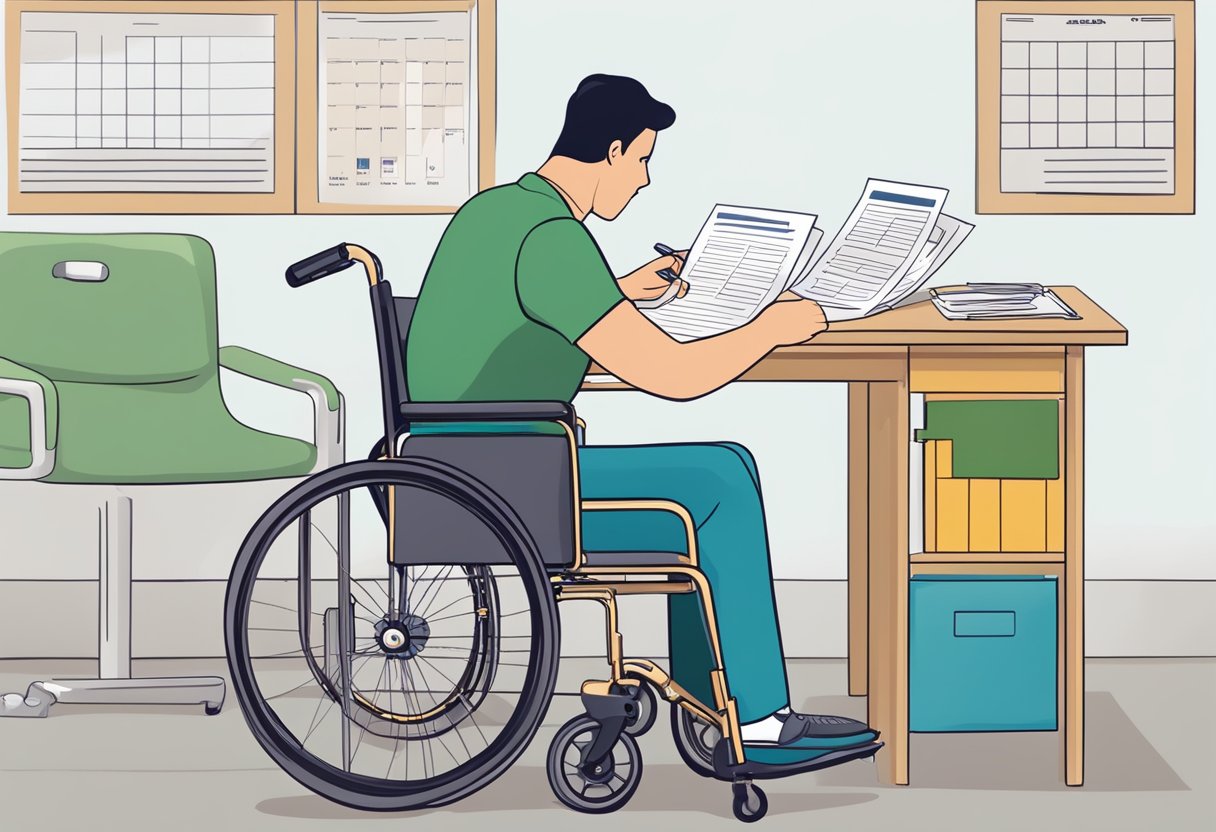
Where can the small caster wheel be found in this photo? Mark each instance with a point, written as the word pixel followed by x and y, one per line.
pixel 751 803
pixel 594 786
pixel 648 708
pixel 212 710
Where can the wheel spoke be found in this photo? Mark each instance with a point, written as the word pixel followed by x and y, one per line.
pixel 474 673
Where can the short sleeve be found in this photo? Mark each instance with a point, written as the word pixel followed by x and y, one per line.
pixel 562 279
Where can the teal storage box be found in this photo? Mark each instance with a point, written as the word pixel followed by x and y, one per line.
pixel 982 653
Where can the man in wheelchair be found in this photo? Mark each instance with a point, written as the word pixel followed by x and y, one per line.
pixel 518 299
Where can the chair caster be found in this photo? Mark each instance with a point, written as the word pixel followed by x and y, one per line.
pixel 750 803
pixel 212 710
pixel 590 785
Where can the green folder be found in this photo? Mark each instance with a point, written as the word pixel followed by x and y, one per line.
pixel 1006 439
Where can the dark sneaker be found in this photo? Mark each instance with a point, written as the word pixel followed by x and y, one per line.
pixel 820 731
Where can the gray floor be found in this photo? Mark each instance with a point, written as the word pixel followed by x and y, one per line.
pixel 1151 764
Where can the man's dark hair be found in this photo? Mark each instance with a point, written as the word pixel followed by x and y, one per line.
pixel 606 108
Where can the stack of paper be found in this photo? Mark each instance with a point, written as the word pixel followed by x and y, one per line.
pixel 744 258
pixel 981 301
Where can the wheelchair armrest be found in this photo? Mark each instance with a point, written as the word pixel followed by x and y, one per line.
pixel 489 412
pixel 31 385
pixel 328 417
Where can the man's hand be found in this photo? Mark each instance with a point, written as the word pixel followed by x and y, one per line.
pixel 792 322
pixel 645 283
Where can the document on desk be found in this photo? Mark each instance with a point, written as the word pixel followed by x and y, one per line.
pixel 742 259
pixel 874 251
pixel 945 239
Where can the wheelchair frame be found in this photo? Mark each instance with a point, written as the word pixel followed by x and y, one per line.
pixel 612 703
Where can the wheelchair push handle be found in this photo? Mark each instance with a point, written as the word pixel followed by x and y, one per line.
pixel 333 260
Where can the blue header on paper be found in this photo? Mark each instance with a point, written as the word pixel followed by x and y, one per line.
pixel 886 196
pixel 763 228
pixel 748 218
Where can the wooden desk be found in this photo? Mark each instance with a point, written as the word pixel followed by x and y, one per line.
pixel 914 349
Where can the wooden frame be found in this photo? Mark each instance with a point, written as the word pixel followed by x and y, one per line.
pixel 307 197
pixel 989 199
pixel 280 200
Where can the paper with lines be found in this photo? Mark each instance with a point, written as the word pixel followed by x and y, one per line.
pixel 881 241
pixel 741 260
pixel 396 95
pixel 1087 102
pixel 146 102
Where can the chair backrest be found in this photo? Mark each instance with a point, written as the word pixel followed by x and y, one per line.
pixel 149 316
pixel 404 307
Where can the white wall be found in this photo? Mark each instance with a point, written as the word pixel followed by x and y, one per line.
pixel 790 105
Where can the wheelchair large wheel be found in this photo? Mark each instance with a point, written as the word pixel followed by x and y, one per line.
pixel 695 740
pixel 429 677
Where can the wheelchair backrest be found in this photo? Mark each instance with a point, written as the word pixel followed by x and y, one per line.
pixel 532 473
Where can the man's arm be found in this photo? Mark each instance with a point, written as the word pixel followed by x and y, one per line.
pixel 625 343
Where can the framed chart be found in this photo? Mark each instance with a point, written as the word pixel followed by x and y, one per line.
pixel 1085 107
pixel 121 106
pixel 396 107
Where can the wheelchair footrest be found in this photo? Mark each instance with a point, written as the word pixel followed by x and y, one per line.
pixel 771 769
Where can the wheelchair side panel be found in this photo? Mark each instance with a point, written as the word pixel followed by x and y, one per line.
pixel 532 473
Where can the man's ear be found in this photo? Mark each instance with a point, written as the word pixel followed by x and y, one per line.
pixel 615 151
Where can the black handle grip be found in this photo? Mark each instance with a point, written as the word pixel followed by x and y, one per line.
pixel 318 266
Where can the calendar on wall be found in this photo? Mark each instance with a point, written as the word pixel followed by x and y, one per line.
pixel 1085 107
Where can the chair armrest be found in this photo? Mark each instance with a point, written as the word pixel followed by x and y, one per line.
pixel 19 380
pixel 329 434
pixel 489 412
pixel 669 506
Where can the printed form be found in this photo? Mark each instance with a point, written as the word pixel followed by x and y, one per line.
pixel 146 102
pixel 396 98
pixel 741 260
pixel 947 236
pixel 1088 103
pixel 877 246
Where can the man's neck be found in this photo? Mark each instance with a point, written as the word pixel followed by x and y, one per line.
pixel 575 181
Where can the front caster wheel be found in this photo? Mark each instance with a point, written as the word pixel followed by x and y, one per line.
pixel 751 803
pixel 594 786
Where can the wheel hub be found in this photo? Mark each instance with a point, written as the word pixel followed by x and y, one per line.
pixel 597 771
pixel 405 637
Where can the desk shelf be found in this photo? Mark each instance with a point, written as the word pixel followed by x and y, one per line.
pixel 987 557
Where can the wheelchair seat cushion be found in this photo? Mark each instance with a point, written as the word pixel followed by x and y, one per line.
pixel 626 559
pixel 178 432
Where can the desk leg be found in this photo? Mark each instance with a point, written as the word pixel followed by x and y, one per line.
pixel 1074 566
pixel 888 578
pixel 859 547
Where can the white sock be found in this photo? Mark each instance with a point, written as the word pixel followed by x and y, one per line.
pixel 764 730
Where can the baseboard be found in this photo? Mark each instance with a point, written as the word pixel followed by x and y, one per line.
pixel 185 618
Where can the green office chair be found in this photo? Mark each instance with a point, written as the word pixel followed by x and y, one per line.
pixel 110 397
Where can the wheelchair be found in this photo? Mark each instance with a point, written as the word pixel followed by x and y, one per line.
pixel 392 628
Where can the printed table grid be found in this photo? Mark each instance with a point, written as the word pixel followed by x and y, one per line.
pixel 1088 94
pixel 165 92
pixel 421 96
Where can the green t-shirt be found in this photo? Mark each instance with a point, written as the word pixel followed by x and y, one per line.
pixel 515 282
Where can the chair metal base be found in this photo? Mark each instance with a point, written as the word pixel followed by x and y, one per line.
pixel 207 691
pixel 114 642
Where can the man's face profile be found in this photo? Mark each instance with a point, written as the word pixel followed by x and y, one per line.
pixel 625 174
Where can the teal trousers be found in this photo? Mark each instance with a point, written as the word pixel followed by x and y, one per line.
pixel 719 485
